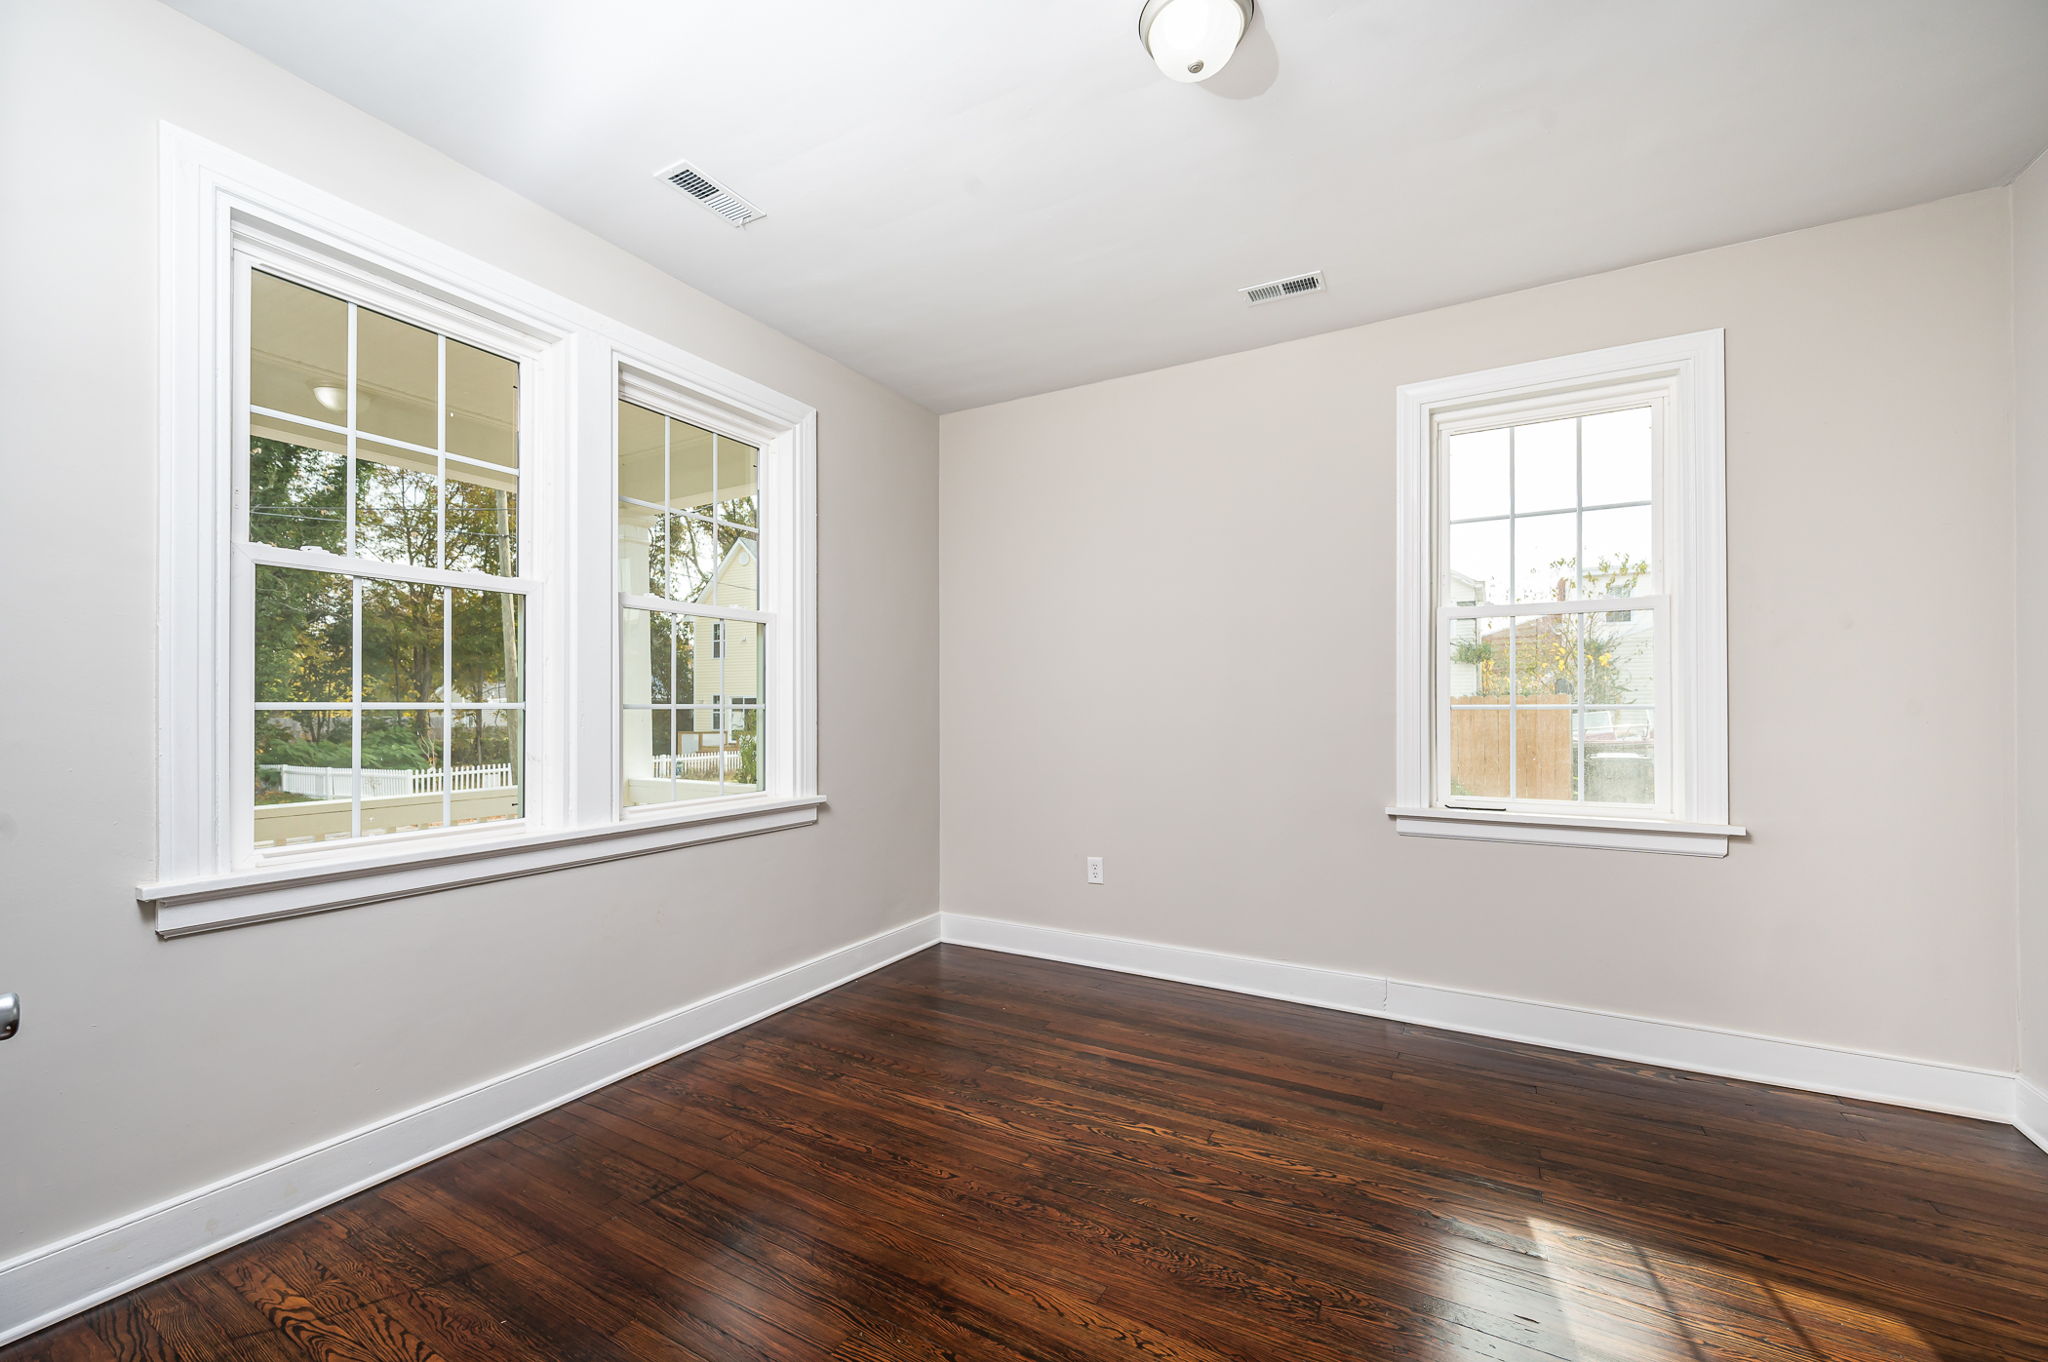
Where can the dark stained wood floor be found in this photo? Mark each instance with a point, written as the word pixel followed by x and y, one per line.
pixel 976 1156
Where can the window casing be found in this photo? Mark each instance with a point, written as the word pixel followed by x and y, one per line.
pixel 389 592
pixel 1531 704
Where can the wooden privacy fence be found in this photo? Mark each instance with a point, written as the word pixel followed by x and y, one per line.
pixel 1542 756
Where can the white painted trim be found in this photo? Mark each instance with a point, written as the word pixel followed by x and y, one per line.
pixel 1345 992
pixel 47 1284
pixel 1925 1084
pixel 202 905
pixel 1567 830
pixel 1693 546
pixel 2030 1113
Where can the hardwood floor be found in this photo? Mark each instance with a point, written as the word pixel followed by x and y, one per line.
pixel 975 1156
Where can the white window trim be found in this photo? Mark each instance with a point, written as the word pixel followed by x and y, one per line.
pixel 214 202
pixel 1693 547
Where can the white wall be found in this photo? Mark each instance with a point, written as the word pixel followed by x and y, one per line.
pixel 1144 524
pixel 2030 345
pixel 145 1068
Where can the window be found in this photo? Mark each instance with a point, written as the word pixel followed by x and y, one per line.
pixel 389 596
pixel 1533 705
pixel 689 535
pixel 383 607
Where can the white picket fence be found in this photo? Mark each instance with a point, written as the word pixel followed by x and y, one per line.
pixel 695 765
pixel 333 782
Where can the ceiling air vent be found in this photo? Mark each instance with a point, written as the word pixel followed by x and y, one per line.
pixel 709 192
pixel 1311 282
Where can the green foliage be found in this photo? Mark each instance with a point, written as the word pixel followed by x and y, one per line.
pixel 395 740
pixel 418 643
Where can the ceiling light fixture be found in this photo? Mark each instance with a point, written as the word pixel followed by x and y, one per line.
pixel 1192 40
pixel 329 396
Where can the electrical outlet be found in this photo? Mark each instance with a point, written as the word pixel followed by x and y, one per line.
pixel 1095 870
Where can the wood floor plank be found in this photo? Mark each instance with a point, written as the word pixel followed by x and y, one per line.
pixel 986 1158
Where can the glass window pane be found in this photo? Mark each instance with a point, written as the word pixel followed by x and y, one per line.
pixel 737 582
pixel 1476 563
pixel 739 472
pixel 1620 552
pixel 486 758
pixel 648 738
pixel 689 467
pixel 695 649
pixel 304 777
pixel 402 770
pixel 1619 752
pixel 741 676
pixel 1546 759
pixel 303 627
pixel 396 518
pixel 298 487
pixel 640 458
pixel 1546 657
pixel 1476 661
pixel 398 379
pixel 298 349
pixel 402 642
pixel 647 645
pixel 1476 474
pixel 643 550
pixel 702 753
pixel 692 559
pixel 1546 466
pixel 483 405
pixel 1620 657
pixel 1476 674
pixel 482 520
pixel 485 642
pixel 745 735
pixel 1546 556
pixel 1546 669
pixel 1616 452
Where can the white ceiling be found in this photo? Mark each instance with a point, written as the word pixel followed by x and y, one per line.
pixel 973 200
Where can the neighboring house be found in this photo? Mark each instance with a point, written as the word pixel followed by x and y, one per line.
pixel 728 672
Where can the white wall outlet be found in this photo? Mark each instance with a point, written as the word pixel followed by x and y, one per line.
pixel 1095 870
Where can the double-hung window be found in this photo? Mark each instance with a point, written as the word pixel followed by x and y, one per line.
pixel 377 583
pixel 1562 630
pixel 694 638
pixel 459 580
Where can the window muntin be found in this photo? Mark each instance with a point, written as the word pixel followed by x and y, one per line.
pixel 1546 695
pixel 693 640
pixel 384 615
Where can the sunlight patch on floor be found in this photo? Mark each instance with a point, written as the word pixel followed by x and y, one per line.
pixel 1611 1288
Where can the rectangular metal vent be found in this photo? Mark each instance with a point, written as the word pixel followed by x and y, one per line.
pixel 709 192
pixel 1311 282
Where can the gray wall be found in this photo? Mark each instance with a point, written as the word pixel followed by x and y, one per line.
pixel 1167 612
pixel 147 1068
pixel 2030 344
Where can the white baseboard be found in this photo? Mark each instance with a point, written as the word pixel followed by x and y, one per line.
pixel 2031 1113
pixel 1920 1083
pixel 1239 973
pixel 47 1284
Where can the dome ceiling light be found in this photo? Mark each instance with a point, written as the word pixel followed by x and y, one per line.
pixel 1192 40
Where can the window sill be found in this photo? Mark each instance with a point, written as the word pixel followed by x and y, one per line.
pixel 1667 836
pixel 201 905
